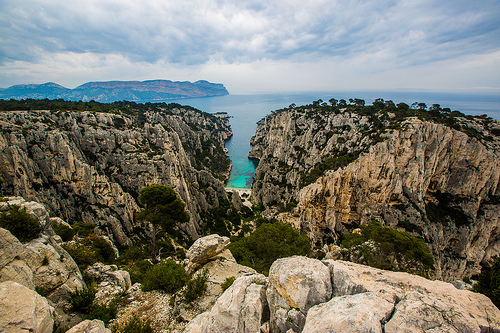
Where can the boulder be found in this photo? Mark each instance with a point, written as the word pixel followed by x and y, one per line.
pixel 89 326
pixel 41 264
pixel 447 305
pixel 205 248
pixel 421 313
pixel 110 274
pixel 12 268
pixel 241 308
pixel 295 285
pixel 363 312
pixel 23 310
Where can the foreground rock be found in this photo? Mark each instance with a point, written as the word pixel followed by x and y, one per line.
pixel 23 310
pixel 89 326
pixel 307 295
pixel 241 308
pixel 41 264
pixel 295 285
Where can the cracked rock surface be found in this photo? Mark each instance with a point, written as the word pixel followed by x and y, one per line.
pixel 361 299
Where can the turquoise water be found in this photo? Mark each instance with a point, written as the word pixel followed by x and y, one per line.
pixel 247 110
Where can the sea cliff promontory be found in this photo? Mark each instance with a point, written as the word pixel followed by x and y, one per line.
pixel 329 168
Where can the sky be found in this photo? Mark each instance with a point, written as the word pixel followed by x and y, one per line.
pixel 254 46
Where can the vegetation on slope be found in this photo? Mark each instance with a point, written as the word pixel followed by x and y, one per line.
pixel 269 242
pixel 386 248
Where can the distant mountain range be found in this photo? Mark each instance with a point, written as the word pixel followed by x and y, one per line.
pixel 111 91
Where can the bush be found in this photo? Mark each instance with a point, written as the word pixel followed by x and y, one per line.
pixel 139 270
pixel 167 276
pixel 103 312
pixel 388 244
pixel 20 224
pixel 86 252
pixel 64 231
pixel 84 229
pixel 135 325
pixel 228 282
pixel 81 300
pixel 489 282
pixel 196 286
pixel 269 242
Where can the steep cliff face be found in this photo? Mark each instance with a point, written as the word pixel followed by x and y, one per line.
pixel 88 166
pixel 438 182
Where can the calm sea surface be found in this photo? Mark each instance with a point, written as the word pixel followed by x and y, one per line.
pixel 246 110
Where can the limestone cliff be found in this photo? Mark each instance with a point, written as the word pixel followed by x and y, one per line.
pixel 435 174
pixel 89 166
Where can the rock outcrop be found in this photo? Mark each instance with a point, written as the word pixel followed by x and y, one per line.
pixel 241 308
pixel 89 326
pixel 205 248
pixel 350 298
pixel 40 264
pixel 295 285
pixel 90 166
pixel 343 168
pixel 23 310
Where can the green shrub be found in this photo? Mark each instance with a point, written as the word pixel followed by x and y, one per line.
pixel 83 254
pixel 489 282
pixel 84 229
pixel 135 325
pixel 104 247
pixel 196 286
pixel 269 242
pixel 103 312
pixel 90 250
pixel 139 270
pixel 20 224
pixel 388 243
pixel 168 276
pixel 228 282
pixel 81 300
pixel 64 231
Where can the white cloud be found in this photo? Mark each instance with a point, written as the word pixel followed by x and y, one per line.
pixel 325 43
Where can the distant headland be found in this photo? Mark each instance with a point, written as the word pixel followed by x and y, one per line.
pixel 111 91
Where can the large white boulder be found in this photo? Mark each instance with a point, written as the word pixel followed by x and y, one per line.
pixel 364 312
pixel 419 301
pixel 23 310
pixel 241 308
pixel 89 326
pixel 295 285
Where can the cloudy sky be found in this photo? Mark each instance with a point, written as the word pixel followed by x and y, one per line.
pixel 253 45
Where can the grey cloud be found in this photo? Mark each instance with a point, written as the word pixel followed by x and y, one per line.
pixel 193 32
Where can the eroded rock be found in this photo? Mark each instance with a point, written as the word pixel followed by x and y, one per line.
pixel 365 312
pixel 205 248
pixel 295 285
pixel 23 310
pixel 89 326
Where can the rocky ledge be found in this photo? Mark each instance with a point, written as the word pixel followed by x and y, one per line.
pixel 307 295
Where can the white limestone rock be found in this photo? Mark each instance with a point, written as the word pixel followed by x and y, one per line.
pixel 365 312
pixel 295 285
pixel 241 308
pixel 205 248
pixel 89 326
pixel 23 310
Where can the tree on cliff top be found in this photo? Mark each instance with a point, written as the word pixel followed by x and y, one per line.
pixel 163 210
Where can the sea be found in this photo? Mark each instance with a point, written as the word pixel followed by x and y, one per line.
pixel 247 109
